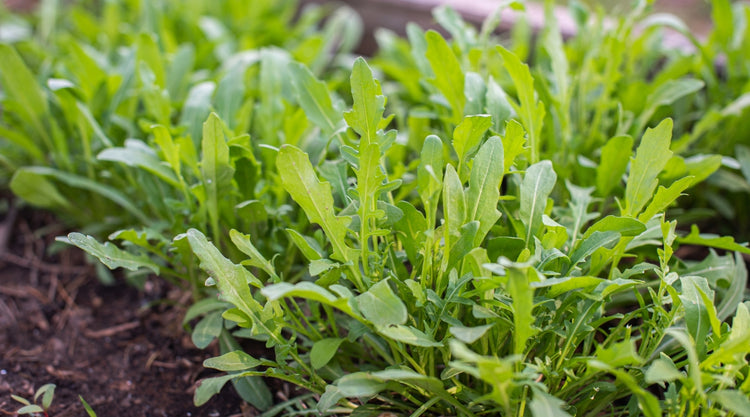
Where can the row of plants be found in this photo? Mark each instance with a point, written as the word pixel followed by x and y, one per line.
pixel 455 227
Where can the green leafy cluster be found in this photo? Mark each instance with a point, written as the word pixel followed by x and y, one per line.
pixel 457 299
pixel 107 122
pixel 450 231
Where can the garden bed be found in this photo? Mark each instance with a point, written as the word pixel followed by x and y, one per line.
pixel 468 239
pixel 122 349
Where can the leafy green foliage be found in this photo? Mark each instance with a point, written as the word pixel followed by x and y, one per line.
pixel 502 248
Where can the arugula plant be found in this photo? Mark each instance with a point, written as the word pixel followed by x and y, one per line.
pixel 437 293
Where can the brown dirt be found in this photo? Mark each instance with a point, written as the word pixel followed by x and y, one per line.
pixel 122 349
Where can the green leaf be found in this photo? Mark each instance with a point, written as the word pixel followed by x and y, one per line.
pixel 430 173
pixel 612 165
pixel 245 244
pixel 314 98
pixel 360 384
pixel 513 143
pixel 323 351
pixel 408 335
pixel 650 159
pixel 207 329
pixel 470 334
pixel 309 291
pixel 662 370
pixel 20 86
pixel 664 197
pixel 559 286
pixel 468 135
pixel 449 77
pixel 522 294
pixel 90 411
pixel 369 102
pixel 109 254
pixel 30 409
pixel 544 404
pixel 536 186
pixel 696 313
pixel 737 346
pixel 647 402
pixel 231 279
pixel 215 168
pixel 232 361
pixel 484 187
pixel 138 154
pixel 625 226
pixel 666 94
pixel 733 400
pixel 381 306
pixel 370 179
pixel 409 377
pixel 315 198
pixel 725 242
pixel 84 183
pixel 305 245
pixel 619 354
pixel 590 244
pixel 498 105
pixel 197 108
pixel 454 206
pixel 209 387
pixel 36 189
pixel 47 392
pixel 410 229
pixel 530 111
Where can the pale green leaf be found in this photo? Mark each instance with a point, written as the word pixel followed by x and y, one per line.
pixel 612 164
pixel 625 226
pixel 484 187
pixel 470 334
pixel 313 96
pixel 529 109
pixel 468 135
pixel 449 77
pixel 408 335
pixel 713 241
pixel 369 102
pixel 215 167
pixel 522 294
pixel 110 255
pixel 305 245
pixel 315 197
pixel 232 361
pixel 232 280
pixel 323 351
pixel 207 329
pixel 36 189
pixel 138 154
pixel 664 197
pixel 245 244
pixel 651 157
pixel 309 291
pixel 359 384
pixel 662 370
pixel 381 306
pixel 209 387
pixel 733 400
pixel 545 405
pixel 535 189
pixel 30 409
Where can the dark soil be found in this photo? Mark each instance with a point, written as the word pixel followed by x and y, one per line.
pixel 122 349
